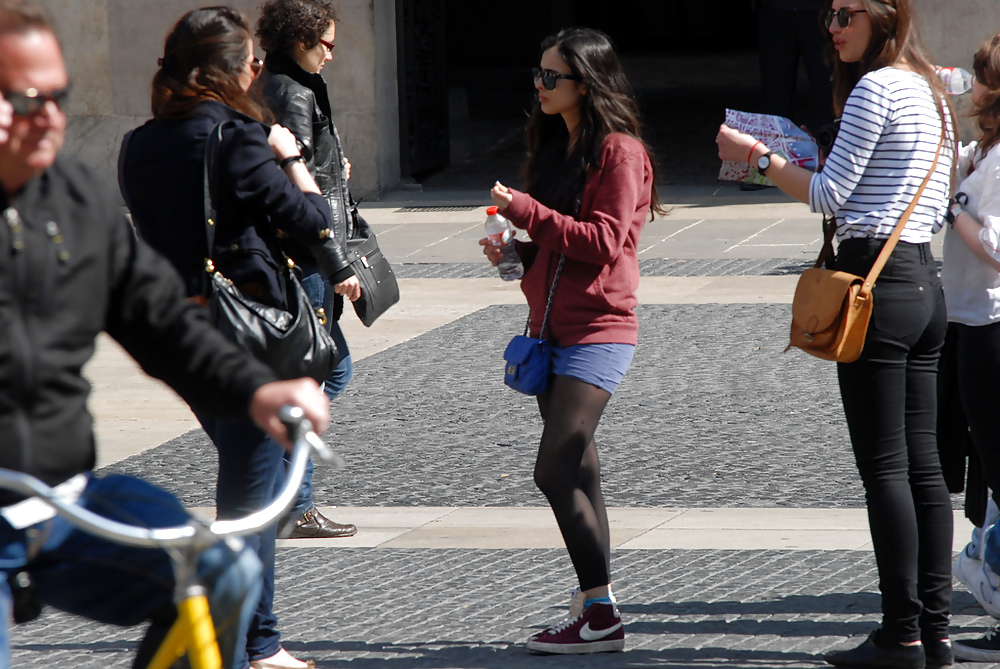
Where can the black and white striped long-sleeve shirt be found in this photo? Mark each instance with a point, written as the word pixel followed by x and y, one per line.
pixel 888 136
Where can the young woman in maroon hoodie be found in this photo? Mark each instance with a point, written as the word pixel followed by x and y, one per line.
pixel 589 181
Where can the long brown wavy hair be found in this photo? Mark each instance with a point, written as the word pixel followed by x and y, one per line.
pixel 609 106
pixel 986 64
pixel 203 57
pixel 894 39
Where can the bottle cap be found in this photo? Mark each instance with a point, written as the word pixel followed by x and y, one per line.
pixel 492 211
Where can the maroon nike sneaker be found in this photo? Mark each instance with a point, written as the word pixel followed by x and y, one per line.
pixel 598 630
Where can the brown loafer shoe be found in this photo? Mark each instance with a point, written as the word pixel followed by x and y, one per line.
pixel 314 525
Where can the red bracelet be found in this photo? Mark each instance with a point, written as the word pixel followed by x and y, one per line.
pixel 752 149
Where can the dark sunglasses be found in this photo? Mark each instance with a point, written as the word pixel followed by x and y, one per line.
pixel 31 101
pixel 550 77
pixel 256 65
pixel 329 45
pixel 843 16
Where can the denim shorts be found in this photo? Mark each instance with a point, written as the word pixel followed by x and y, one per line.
pixel 602 365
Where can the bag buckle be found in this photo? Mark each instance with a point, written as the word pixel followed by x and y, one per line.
pixel 364 261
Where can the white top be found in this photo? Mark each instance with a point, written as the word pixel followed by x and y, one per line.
pixel 888 136
pixel 971 286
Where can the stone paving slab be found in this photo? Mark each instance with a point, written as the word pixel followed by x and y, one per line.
pixel 475 608
pixel 732 528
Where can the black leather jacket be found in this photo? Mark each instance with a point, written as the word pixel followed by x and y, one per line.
pixel 300 102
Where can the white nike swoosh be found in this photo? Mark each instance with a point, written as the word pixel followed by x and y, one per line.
pixel 588 634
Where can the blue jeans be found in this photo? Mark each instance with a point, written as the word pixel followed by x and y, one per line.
pixel 250 475
pixel 75 571
pixel 321 295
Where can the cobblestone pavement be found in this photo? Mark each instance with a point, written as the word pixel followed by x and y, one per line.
pixel 475 608
pixel 650 267
pixel 711 414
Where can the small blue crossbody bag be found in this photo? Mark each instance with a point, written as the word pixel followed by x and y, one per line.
pixel 528 360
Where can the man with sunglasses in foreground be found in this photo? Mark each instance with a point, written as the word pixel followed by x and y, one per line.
pixel 71 268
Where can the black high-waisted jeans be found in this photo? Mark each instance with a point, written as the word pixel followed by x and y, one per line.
pixel 890 401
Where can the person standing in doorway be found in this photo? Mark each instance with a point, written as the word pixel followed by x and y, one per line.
pixel 789 33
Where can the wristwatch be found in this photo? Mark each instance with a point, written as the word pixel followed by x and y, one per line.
pixel 956 207
pixel 764 162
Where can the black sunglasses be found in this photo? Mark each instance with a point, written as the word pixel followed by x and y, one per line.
pixel 843 16
pixel 550 77
pixel 31 101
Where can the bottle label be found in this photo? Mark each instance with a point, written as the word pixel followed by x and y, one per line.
pixel 500 238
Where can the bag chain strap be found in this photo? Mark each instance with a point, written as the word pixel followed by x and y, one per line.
pixel 548 304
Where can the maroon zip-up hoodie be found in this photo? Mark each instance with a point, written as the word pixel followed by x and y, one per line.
pixel 595 299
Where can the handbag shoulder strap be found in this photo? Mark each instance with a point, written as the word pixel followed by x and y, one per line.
pixel 548 303
pixel 890 244
pixel 210 178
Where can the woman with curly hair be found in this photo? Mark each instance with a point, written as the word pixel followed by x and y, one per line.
pixel 262 191
pixel 297 36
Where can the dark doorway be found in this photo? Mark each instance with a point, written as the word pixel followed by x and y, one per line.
pixel 686 59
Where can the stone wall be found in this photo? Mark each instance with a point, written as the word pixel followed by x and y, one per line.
pixel 953 30
pixel 111 48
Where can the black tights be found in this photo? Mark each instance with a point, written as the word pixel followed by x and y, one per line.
pixel 568 473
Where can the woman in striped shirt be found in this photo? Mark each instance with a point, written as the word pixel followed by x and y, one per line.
pixel 893 109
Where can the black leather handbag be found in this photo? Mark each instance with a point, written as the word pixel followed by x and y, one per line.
pixel 379 288
pixel 291 342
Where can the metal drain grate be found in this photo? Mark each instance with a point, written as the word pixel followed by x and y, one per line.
pixel 418 209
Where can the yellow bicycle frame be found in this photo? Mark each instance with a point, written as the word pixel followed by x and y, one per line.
pixel 193 633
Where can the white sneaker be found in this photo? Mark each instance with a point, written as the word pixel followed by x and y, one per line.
pixel 281 660
pixel 984 585
pixel 965 567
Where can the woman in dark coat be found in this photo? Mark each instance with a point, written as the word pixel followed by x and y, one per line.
pixel 298 38
pixel 263 189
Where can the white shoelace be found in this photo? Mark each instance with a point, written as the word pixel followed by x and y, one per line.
pixel 559 627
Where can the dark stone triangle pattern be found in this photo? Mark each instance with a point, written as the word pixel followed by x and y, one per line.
pixel 650 267
pixel 711 414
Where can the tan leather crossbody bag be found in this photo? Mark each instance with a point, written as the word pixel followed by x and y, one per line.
pixel 831 309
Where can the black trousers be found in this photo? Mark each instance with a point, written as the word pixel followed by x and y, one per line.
pixel 890 401
pixel 978 361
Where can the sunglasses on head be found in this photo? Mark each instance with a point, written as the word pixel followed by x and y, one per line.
pixel 550 77
pixel 843 16
pixel 31 101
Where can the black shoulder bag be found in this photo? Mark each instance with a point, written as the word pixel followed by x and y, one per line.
pixel 292 343
pixel 379 289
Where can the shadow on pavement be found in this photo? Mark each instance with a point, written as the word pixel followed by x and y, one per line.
pixel 474 655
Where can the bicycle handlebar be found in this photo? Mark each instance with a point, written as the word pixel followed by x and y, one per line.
pixel 299 430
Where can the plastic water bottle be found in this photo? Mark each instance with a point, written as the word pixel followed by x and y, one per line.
pixel 956 80
pixel 502 237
